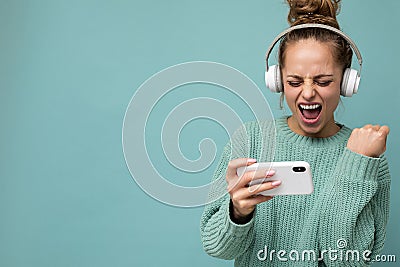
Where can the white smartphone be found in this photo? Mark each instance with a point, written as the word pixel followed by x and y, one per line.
pixel 295 176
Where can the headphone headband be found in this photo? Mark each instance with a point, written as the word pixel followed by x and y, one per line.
pixel 322 26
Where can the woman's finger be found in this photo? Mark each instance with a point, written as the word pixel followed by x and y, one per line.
pixel 254 175
pixel 247 192
pixel 368 126
pixel 376 127
pixel 384 130
pixel 234 164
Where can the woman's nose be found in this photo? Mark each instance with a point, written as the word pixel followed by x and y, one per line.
pixel 308 90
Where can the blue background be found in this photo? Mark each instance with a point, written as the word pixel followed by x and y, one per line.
pixel 68 70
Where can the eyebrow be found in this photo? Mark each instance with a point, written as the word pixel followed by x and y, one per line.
pixel 315 77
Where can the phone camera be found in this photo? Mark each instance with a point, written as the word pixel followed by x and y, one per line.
pixel 299 169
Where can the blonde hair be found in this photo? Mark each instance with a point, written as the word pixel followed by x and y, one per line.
pixel 321 12
pixel 313 11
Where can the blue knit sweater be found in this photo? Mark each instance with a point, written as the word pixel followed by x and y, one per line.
pixel 342 223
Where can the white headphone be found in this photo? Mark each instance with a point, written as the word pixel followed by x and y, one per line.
pixel 351 77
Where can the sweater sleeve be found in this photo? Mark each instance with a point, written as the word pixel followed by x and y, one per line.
pixel 354 210
pixel 221 237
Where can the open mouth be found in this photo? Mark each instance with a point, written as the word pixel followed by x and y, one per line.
pixel 310 112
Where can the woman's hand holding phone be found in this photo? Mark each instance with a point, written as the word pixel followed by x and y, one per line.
pixel 244 197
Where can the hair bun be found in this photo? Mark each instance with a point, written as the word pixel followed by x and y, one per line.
pixel 313 11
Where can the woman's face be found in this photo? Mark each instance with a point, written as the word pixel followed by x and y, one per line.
pixel 311 80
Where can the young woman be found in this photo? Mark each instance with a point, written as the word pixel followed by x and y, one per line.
pixel 343 222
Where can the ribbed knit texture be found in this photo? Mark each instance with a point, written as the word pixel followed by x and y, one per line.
pixel 350 202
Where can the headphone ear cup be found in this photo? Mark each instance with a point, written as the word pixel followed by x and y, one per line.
pixel 350 82
pixel 273 79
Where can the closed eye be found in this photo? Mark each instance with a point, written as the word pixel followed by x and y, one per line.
pixel 294 83
pixel 323 83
